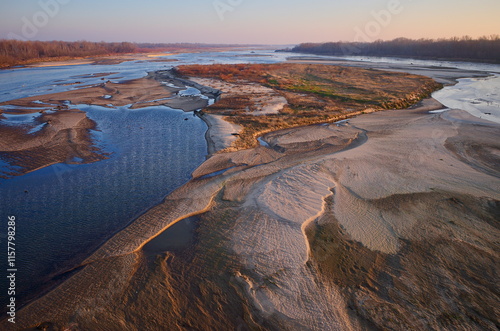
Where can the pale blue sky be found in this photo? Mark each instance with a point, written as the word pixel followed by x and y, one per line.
pixel 246 21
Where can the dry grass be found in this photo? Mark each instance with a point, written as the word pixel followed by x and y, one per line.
pixel 315 93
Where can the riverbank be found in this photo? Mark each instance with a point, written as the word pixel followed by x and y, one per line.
pixel 334 226
pixel 260 210
pixel 441 74
pixel 18 54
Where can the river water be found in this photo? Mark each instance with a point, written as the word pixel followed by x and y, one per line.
pixel 478 96
pixel 64 212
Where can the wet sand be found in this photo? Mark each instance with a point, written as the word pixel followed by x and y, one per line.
pixel 64 137
pixel 221 134
pixel 137 93
pixel 388 220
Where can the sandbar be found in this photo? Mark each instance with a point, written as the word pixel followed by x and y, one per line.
pixel 387 220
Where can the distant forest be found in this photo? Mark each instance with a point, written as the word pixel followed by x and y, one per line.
pixel 485 49
pixel 15 52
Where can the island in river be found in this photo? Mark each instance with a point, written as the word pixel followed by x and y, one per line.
pixel 257 98
pixel 387 220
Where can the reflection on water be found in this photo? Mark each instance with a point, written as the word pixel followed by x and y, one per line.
pixel 190 91
pixel 478 96
pixel 21 119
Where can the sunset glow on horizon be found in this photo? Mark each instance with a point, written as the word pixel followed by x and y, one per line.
pixel 246 22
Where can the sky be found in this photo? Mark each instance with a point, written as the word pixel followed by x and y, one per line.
pixel 246 21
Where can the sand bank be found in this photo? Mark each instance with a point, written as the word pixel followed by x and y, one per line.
pixel 444 75
pixel 386 220
pixel 61 137
pixel 59 133
pixel 389 181
pixel 137 93
pixel 220 134
pixel 292 95
pixel 104 60
pixel 263 100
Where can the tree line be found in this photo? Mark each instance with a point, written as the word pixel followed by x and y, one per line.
pixel 484 49
pixel 14 52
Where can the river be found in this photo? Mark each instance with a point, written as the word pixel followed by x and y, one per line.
pixel 64 212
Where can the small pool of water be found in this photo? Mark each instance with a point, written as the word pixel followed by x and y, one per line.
pixel 37 128
pixel 21 119
pixel 190 91
pixel 177 237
